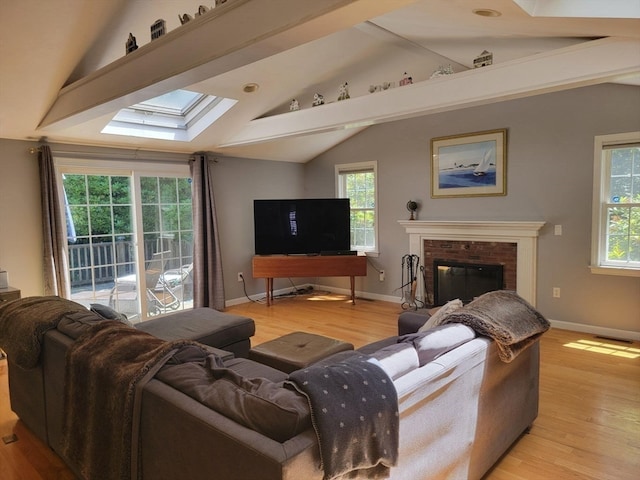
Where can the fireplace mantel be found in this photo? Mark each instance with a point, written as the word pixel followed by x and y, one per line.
pixel 524 234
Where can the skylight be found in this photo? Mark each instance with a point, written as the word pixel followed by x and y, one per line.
pixel 177 102
pixel 180 115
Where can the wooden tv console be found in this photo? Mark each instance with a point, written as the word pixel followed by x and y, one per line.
pixel 283 266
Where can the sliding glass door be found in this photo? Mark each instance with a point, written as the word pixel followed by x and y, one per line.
pixel 130 239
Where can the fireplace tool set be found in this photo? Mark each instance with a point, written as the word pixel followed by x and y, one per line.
pixel 410 268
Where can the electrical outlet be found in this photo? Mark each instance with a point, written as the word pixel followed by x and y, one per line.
pixel 240 277
pixel 556 292
pixel 382 275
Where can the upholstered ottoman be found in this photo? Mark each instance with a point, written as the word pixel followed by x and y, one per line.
pixel 205 325
pixel 296 350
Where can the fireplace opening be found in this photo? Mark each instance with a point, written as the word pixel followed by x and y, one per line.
pixel 465 281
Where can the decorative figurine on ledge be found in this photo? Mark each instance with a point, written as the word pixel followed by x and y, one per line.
pixel 412 207
pixel 343 92
pixel 442 71
pixel 484 59
pixel 406 80
pixel 201 10
pixel 317 100
pixel 294 105
pixel 131 44
pixel 158 29
pixel 383 86
pixel 185 18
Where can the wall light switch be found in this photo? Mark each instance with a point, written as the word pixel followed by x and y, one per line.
pixel 557 230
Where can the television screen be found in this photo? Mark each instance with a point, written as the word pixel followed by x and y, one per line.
pixel 302 226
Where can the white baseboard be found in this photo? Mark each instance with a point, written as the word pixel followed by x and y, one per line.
pixel 325 288
pixel 365 295
pixel 612 333
pixel 260 297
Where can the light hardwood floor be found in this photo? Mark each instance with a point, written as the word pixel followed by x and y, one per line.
pixel 588 426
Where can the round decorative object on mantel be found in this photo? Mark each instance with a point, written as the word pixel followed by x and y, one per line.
pixel 412 207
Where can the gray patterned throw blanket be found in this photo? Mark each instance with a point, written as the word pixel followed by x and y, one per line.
pixel 505 317
pixel 354 408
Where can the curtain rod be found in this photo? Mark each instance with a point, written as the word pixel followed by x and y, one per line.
pixel 118 156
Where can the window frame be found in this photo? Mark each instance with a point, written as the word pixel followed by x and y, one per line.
pixel 368 166
pixel 94 166
pixel 601 175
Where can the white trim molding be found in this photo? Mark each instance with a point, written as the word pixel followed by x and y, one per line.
pixel 610 333
pixel 523 234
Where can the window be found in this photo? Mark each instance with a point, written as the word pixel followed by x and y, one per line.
pixel 357 182
pixel 129 231
pixel 616 205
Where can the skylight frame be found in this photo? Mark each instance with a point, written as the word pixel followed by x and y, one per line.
pixel 146 120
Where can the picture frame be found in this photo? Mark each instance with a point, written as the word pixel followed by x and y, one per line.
pixel 469 165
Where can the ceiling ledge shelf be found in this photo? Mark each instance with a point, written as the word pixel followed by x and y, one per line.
pixel 230 36
pixel 556 70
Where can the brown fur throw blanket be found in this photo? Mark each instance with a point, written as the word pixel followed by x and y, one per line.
pixel 106 370
pixel 505 317
pixel 24 322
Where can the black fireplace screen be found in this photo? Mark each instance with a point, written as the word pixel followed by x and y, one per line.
pixel 465 281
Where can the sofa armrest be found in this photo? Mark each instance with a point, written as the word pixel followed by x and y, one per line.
pixel 411 321
pixel 223 354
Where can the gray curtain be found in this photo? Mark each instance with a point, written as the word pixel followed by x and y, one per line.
pixel 54 230
pixel 208 284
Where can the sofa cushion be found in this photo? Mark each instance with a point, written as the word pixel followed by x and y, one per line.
pixel 251 369
pixel 397 359
pixel 257 403
pixel 438 341
pixel 437 318
pixel 109 313
pixel 204 325
pixel 74 324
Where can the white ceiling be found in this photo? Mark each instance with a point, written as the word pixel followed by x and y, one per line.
pixel 537 45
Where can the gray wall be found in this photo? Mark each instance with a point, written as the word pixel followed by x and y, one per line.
pixel 20 213
pixel 550 175
pixel 550 163
pixel 237 182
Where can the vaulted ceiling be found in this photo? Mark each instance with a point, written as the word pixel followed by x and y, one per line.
pixel 64 73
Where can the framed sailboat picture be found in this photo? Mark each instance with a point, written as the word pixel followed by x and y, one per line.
pixel 469 165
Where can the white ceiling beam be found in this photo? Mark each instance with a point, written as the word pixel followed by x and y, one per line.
pixel 588 63
pixel 230 36
pixel 581 8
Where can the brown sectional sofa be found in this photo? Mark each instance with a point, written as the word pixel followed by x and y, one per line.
pixel 460 407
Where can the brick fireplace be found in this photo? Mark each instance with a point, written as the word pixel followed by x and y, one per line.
pixel 508 243
pixel 470 252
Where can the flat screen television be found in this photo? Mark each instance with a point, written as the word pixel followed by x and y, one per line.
pixel 310 226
